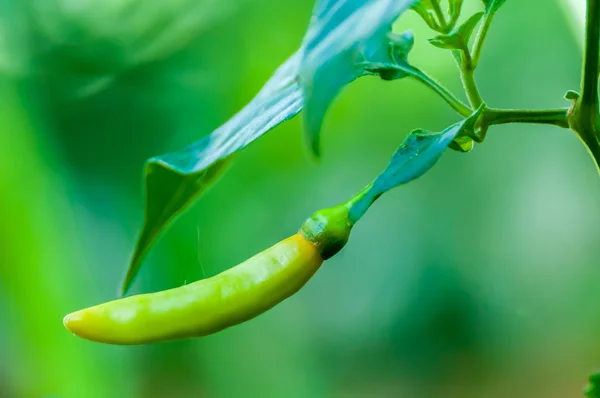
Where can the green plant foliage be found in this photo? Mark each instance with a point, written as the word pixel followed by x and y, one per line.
pixel 462 144
pixel 334 53
pixel 459 37
pixel 493 5
pixel 454 9
pixel 143 34
pixel 387 59
pixel 418 153
pixel 342 32
pixel 173 180
pixel 593 390
pixel 425 9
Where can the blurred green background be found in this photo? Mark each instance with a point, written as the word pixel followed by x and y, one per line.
pixel 478 280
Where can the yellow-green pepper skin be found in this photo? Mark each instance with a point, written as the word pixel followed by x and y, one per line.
pixel 206 306
pixel 229 298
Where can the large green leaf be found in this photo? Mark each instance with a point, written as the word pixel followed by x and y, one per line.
pixel 174 180
pixel 387 59
pixel 342 35
pixel 346 39
pixel 418 153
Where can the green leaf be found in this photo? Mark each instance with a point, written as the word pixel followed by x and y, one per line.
pixel 343 34
pixel 454 9
pixel 462 144
pixel 593 388
pixel 459 37
pixel 388 60
pixel 493 5
pixel 572 95
pixel 339 47
pixel 174 180
pixel 425 9
pixel 418 153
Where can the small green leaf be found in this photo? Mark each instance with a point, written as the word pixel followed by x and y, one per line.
pixel 459 37
pixel 425 9
pixel 418 153
pixel 593 388
pixel 454 9
pixel 462 144
pixel 572 95
pixel 174 180
pixel 342 35
pixel 493 5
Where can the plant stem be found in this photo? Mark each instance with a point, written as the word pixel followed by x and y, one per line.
pixel 465 64
pixel 583 115
pixel 440 15
pixel 589 82
pixel 481 36
pixel 555 117
pixel 442 91
pixel 359 204
pixel 467 75
pixel 593 147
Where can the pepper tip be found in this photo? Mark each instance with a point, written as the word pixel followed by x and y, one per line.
pixel 70 319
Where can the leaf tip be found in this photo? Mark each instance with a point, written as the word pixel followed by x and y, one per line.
pixel 315 152
pixel 312 130
pixel 127 281
pixel 133 268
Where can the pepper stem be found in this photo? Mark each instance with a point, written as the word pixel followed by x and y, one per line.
pixel 329 229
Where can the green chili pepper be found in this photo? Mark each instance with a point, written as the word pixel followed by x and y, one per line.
pixel 229 298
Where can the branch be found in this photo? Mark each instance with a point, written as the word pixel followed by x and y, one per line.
pixel 555 117
pixel 443 92
pixel 467 75
pixel 481 36
pixel 583 116
pixel 436 86
pixel 589 82
pixel 440 15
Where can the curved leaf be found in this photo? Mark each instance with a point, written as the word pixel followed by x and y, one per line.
pixel 418 153
pixel 347 39
pixel 425 9
pixel 342 34
pixel 175 179
pixel 462 144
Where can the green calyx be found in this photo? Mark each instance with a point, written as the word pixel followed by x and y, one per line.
pixel 329 229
